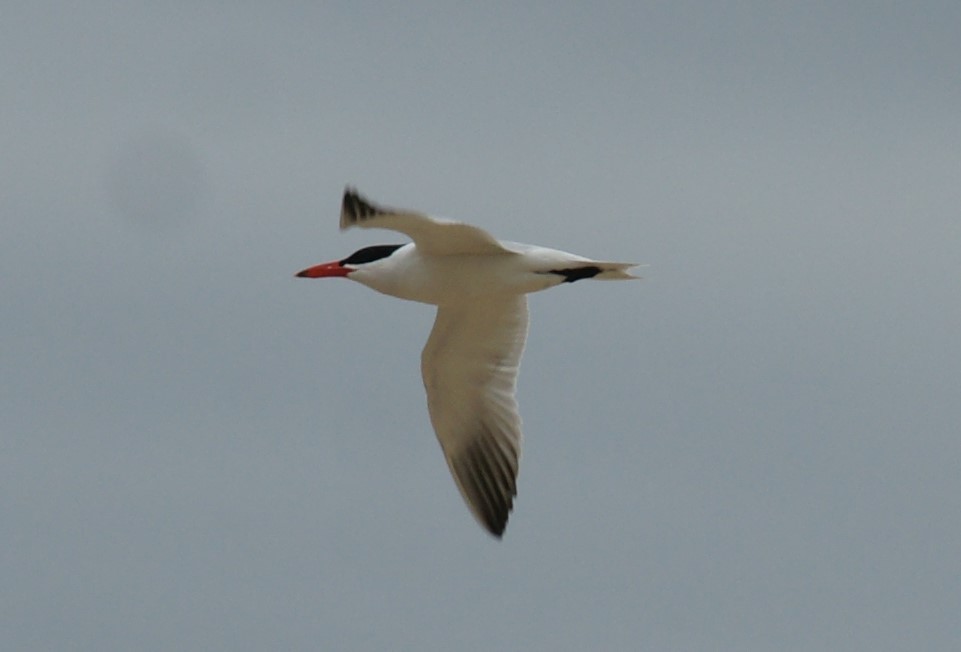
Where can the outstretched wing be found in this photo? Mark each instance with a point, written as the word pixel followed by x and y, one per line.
pixel 432 235
pixel 470 366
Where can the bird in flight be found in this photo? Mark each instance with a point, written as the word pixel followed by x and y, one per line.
pixel 470 362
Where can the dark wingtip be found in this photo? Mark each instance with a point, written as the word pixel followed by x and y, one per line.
pixel 355 208
pixel 348 206
pixel 495 519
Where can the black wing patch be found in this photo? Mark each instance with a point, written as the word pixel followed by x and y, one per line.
pixel 488 477
pixel 369 254
pixel 577 273
pixel 357 209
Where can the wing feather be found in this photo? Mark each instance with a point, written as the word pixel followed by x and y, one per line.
pixel 432 235
pixel 470 366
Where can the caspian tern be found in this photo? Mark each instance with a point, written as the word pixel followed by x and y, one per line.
pixel 471 359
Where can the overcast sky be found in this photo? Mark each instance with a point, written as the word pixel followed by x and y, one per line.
pixel 755 448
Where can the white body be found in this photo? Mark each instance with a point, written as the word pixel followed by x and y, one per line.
pixel 438 279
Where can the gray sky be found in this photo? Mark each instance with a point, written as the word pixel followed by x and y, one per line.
pixel 755 448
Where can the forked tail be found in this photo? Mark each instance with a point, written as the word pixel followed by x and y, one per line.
pixel 596 270
pixel 616 271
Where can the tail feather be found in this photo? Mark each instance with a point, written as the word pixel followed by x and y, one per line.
pixel 616 271
pixel 596 270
